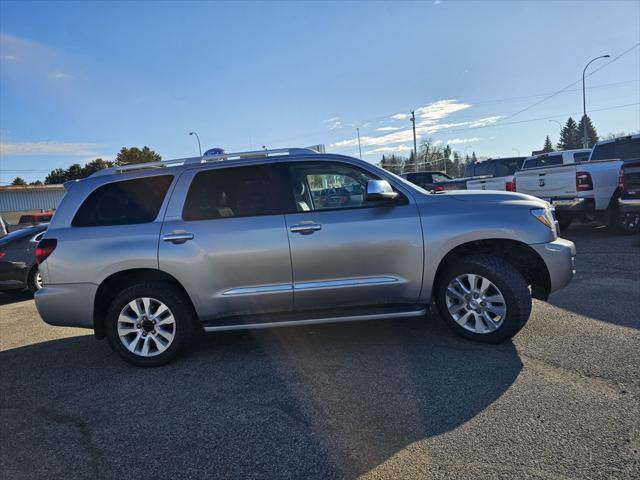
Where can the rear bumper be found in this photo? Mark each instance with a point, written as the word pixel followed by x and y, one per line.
pixel 629 205
pixel 573 205
pixel 559 257
pixel 67 305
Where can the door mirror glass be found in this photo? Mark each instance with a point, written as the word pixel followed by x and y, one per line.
pixel 379 190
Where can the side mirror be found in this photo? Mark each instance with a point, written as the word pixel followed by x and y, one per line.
pixel 379 191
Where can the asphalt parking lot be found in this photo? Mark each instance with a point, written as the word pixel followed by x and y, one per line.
pixel 403 399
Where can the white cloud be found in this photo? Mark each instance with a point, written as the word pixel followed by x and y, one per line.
pixel 60 75
pixel 458 141
pixel 430 114
pixel 8 58
pixel 396 149
pixel 400 116
pixel 388 129
pixel 333 123
pixel 46 148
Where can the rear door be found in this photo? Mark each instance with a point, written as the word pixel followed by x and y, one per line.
pixel 224 238
pixel 353 253
pixel 548 179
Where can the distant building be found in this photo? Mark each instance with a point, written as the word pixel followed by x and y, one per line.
pixel 16 200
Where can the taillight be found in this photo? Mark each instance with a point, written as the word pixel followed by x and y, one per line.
pixel 510 186
pixel 583 181
pixel 44 248
pixel 2 254
pixel 439 188
pixel 621 179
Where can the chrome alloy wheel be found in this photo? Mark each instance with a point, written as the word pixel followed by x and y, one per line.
pixel 146 327
pixel 37 280
pixel 475 303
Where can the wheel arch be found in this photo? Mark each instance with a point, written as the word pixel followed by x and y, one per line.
pixel 518 254
pixel 116 282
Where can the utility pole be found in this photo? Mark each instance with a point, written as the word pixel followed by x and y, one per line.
pixel 359 146
pixel 415 144
pixel 585 140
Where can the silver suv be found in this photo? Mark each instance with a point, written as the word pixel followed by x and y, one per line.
pixel 148 255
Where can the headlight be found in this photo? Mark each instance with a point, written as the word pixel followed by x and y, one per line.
pixel 545 216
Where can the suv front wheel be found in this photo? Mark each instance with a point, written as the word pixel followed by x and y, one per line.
pixel 483 298
pixel 149 324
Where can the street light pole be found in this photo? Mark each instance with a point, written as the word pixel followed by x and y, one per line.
pixel 199 147
pixel 585 141
pixel 359 146
pixel 415 144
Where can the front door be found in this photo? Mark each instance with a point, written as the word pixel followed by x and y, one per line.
pixel 345 250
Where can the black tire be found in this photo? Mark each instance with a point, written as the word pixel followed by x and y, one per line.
pixel 509 281
pixel 179 306
pixel 32 284
pixel 624 224
pixel 564 221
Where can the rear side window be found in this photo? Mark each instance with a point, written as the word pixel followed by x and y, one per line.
pixel 124 203
pixel 622 148
pixel 485 168
pixel 236 192
pixel 581 156
pixel 508 166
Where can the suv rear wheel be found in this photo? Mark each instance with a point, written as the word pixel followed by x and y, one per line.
pixel 483 298
pixel 149 324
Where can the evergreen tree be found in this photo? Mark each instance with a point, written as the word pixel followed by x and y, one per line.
pixel 19 181
pixel 474 159
pixel 136 155
pixel 592 135
pixel 570 137
pixel 548 147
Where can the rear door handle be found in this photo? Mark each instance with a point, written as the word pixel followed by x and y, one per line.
pixel 177 237
pixel 305 228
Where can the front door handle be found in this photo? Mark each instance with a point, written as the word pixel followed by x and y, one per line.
pixel 177 237
pixel 305 228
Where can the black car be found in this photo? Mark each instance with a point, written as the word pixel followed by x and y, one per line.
pixel 18 267
pixel 626 217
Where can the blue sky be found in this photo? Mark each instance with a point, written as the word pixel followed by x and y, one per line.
pixel 79 80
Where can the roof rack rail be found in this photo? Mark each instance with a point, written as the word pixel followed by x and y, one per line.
pixel 205 159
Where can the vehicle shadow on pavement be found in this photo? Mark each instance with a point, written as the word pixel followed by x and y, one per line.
pixel 607 280
pixel 7 298
pixel 322 402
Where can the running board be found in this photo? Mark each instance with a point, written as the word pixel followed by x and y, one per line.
pixel 313 318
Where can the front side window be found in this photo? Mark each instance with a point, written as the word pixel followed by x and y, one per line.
pixel 329 186
pixel 124 203
pixel 235 192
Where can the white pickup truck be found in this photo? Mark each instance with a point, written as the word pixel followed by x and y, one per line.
pixel 493 174
pixel 573 181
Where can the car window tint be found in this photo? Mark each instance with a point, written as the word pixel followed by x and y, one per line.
pixel 123 203
pixel 330 186
pixel 485 168
pixel 469 170
pixel 235 192
pixel 581 156
pixel 550 160
pixel 439 177
pixel 509 166
pixel 622 148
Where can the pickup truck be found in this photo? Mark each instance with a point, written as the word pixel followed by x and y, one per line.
pixel 577 186
pixel 625 217
pixel 500 173
pixel 435 181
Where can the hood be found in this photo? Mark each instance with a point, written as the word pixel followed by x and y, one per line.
pixel 494 196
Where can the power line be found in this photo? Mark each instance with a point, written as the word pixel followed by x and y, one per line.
pixel 570 85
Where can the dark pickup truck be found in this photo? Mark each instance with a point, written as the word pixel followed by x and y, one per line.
pixel 437 181
pixel 629 199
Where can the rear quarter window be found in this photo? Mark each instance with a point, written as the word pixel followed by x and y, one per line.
pixel 123 203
